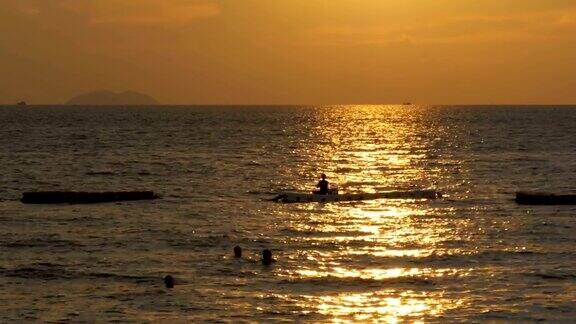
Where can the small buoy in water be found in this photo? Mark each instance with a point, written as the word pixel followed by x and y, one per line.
pixel 267 257
pixel 237 251
pixel 169 281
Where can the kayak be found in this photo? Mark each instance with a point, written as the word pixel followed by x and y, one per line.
pixel 303 197
pixel 539 198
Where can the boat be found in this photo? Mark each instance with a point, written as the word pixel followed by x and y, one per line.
pixel 304 197
pixel 21 103
pixel 543 198
pixel 76 197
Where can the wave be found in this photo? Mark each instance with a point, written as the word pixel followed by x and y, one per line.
pixel 315 233
pixel 112 173
pixel 49 271
pixel 346 170
pixel 556 275
pixel 358 183
pixel 99 173
pixel 359 282
pixel 43 243
pixel 259 192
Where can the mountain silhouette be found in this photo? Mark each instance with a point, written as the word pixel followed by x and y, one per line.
pixel 109 98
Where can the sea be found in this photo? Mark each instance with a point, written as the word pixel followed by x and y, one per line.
pixel 472 256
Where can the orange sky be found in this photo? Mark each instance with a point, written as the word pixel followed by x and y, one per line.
pixel 291 51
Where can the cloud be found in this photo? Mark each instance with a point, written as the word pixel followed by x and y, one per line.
pixel 151 12
pixel 567 19
pixel 125 12
pixel 25 8
pixel 460 29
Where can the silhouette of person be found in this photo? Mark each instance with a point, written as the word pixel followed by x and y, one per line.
pixel 322 185
pixel 267 257
pixel 169 281
pixel 237 251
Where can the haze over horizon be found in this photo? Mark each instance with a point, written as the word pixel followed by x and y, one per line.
pixel 291 51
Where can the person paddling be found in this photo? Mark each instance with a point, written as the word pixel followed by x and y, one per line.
pixel 322 185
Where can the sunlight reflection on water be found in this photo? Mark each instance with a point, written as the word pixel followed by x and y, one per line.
pixel 381 307
pixel 379 153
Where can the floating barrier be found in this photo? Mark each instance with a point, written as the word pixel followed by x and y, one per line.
pixel 541 198
pixel 302 197
pixel 75 197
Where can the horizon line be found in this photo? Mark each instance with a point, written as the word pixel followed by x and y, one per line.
pixel 286 104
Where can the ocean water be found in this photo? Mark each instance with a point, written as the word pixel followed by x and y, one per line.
pixel 472 256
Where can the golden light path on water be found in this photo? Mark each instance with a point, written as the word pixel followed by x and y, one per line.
pixel 377 306
pixel 370 149
pixel 387 305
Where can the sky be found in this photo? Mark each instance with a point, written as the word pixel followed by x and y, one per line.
pixel 291 51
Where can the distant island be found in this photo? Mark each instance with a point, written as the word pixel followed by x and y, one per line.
pixel 110 98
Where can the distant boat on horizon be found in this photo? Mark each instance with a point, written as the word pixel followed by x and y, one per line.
pixel 21 103
pixel 406 104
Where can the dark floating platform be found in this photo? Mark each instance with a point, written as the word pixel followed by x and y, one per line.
pixel 306 197
pixel 540 198
pixel 75 197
